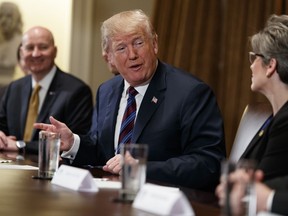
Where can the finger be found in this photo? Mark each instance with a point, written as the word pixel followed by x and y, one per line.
pixel 109 161
pixel 2 145
pixel 105 168
pixel 12 138
pixel 112 165
pixel 116 170
pixel 218 189
pixel 55 122
pixel 118 164
pixel 42 126
pixel 108 168
pixel 259 175
pixel 3 140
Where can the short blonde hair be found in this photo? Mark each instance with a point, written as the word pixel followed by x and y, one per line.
pixel 125 22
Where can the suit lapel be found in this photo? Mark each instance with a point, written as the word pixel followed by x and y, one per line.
pixel 255 141
pixel 251 146
pixel 25 97
pixel 108 131
pixel 260 137
pixel 50 97
pixel 151 101
pixel 48 102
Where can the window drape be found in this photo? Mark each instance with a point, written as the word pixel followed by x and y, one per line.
pixel 210 40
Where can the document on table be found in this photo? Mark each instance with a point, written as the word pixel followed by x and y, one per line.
pixel 104 183
pixel 19 167
pixel 267 214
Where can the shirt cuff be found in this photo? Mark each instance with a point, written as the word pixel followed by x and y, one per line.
pixel 270 200
pixel 71 153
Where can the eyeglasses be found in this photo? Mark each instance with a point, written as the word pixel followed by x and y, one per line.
pixel 253 56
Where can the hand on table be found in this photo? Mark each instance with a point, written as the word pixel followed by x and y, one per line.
pixel 114 165
pixel 7 143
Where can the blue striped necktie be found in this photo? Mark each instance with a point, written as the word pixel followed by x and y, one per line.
pixel 127 124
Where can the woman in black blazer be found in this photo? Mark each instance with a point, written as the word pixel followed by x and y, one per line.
pixel 270 77
pixel 272 196
pixel 269 66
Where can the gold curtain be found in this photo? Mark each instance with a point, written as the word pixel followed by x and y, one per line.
pixel 210 40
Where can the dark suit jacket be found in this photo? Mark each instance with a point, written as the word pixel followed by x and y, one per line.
pixel 271 150
pixel 280 200
pixel 68 99
pixel 183 129
pixel 2 91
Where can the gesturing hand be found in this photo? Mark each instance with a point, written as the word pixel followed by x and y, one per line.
pixel 67 138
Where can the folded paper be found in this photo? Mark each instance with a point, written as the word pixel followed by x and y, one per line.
pixel 162 201
pixel 19 167
pixel 103 183
pixel 75 179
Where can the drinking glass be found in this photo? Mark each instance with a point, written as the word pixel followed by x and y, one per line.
pixel 49 151
pixel 133 176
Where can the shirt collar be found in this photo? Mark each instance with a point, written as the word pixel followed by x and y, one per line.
pixel 140 89
pixel 46 81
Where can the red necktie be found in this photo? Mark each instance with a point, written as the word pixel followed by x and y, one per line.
pixel 127 124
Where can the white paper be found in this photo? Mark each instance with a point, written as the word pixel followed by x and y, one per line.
pixel 5 161
pixel 15 166
pixel 104 183
pixel 160 187
pixel 75 179
pixel 267 214
pixel 162 200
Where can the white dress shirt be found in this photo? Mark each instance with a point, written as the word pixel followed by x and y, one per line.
pixel 122 106
pixel 45 84
pixel 123 102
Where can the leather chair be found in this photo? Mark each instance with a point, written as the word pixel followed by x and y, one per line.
pixel 252 119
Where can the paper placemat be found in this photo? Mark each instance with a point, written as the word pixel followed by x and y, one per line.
pixel 104 183
pixel 20 167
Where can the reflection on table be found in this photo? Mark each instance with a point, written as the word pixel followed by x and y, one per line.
pixel 22 195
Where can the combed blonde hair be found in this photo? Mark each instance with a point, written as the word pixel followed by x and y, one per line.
pixel 125 22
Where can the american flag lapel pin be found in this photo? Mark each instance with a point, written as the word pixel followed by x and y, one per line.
pixel 154 100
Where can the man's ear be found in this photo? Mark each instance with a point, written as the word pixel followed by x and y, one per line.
pixel 155 44
pixel 105 56
pixel 110 59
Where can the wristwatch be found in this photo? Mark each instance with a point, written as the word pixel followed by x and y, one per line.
pixel 20 145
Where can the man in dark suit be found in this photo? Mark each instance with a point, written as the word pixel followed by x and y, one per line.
pixel 61 95
pixel 2 90
pixel 178 116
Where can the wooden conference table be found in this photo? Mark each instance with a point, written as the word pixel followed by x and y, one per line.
pixel 20 194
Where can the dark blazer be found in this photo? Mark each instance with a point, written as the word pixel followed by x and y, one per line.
pixel 270 149
pixel 182 127
pixel 2 91
pixel 280 200
pixel 68 99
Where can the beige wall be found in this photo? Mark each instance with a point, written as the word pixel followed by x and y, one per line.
pixel 53 14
